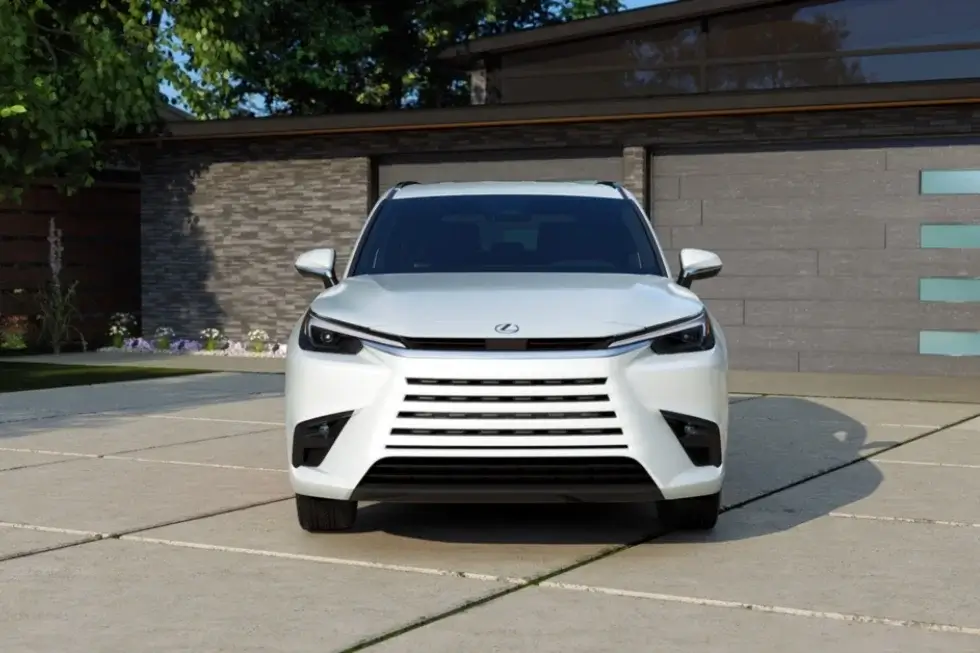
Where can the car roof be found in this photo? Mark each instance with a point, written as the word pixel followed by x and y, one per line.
pixel 588 188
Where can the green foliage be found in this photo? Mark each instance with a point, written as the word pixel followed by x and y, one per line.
pixel 74 73
pixel 58 314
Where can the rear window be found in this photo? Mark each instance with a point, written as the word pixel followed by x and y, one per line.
pixel 507 233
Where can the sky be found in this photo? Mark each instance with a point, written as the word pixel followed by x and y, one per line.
pixel 627 4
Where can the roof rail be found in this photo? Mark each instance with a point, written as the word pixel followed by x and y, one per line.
pixel 615 184
pixel 394 189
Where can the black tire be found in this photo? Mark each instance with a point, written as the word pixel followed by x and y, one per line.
pixel 325 515
pixel 693 514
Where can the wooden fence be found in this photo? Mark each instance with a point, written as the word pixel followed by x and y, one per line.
pixel 101 239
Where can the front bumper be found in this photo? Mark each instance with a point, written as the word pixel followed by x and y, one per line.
pixel 506 427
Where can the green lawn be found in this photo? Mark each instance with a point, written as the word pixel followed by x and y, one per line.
pixel 38 376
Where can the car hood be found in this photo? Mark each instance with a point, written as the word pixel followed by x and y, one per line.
pixel 542 305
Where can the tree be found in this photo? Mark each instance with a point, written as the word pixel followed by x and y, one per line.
pixel 74 73
pixel 309 57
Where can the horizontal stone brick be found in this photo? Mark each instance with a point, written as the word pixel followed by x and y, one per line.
pixel 678 212
pixel 947 157
pixel 801 184
pixel 814 287
pixel 900 262
pixel 727 311
pixel 806 161
pixel 852 363
pixel 870 315
pixel 838 235
pixel 763 360
pixel 907 235
pixel 663 235
pixel 665 188
pixel 765 263
pixel 816 339
pixel 804 211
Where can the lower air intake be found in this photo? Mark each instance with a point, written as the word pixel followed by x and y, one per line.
pixel 464 472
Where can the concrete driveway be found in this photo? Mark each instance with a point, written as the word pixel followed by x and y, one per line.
pixel 156 516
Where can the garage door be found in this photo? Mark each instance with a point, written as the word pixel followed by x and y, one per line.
pixel 854 259
pixel 565 165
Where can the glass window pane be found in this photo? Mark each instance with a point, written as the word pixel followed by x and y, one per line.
pixel 843 25
pixel 647 47
pixel 554 87
pixel 844 71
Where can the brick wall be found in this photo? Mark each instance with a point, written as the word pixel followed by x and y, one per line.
pixel 223 220
pixel 220 238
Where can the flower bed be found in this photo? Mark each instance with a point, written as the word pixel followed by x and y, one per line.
pixel 197 348
pixel 211 343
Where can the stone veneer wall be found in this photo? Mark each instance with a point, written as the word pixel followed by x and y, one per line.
pixel 223 220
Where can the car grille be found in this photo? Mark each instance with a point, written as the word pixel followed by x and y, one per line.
pixel 506 344
pixel 462 472
pixel 492 408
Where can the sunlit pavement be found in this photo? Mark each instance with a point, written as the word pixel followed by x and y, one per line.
pixel 157 516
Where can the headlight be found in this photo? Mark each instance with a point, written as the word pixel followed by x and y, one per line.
pixel 696 335
pixel 314 336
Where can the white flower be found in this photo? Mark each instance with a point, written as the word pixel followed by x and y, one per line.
pixel 211 334
pixel 163 332
pixel 118 330
pixel 257 335
pixel 122 319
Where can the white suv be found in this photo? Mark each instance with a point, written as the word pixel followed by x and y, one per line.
pixel 507 342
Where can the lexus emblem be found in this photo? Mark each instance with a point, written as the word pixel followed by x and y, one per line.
pixel 507 328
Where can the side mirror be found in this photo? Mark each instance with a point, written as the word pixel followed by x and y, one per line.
pixel 697 264
pixel 318 264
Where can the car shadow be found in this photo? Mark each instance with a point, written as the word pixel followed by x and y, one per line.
pixel 774 443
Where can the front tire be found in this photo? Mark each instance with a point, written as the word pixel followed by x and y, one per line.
pixel 692 514
pixel 325 515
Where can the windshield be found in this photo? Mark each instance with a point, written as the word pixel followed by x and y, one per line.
pixel 507 233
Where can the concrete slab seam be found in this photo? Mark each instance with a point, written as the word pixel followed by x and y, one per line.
pixel 922 463
pixel 120 455
pixel 220 420
pixel 48 549
pixel 773 609
pixel 327 560
pixel 188 463
pixel 117 535
pixel 904 520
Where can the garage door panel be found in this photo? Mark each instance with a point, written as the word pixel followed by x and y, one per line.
pixel 852 363
pixel 888 209
pixel 800 185
pixel 496 167
pixel 773 163
pixel 829 241
pixel 838 235
pixel 849 288
pixel 916 263
pixel 863 316
pixel 676 212
pixel 950 157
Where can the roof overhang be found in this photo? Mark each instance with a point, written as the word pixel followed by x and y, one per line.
pixel 600 111
pixel 669 12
